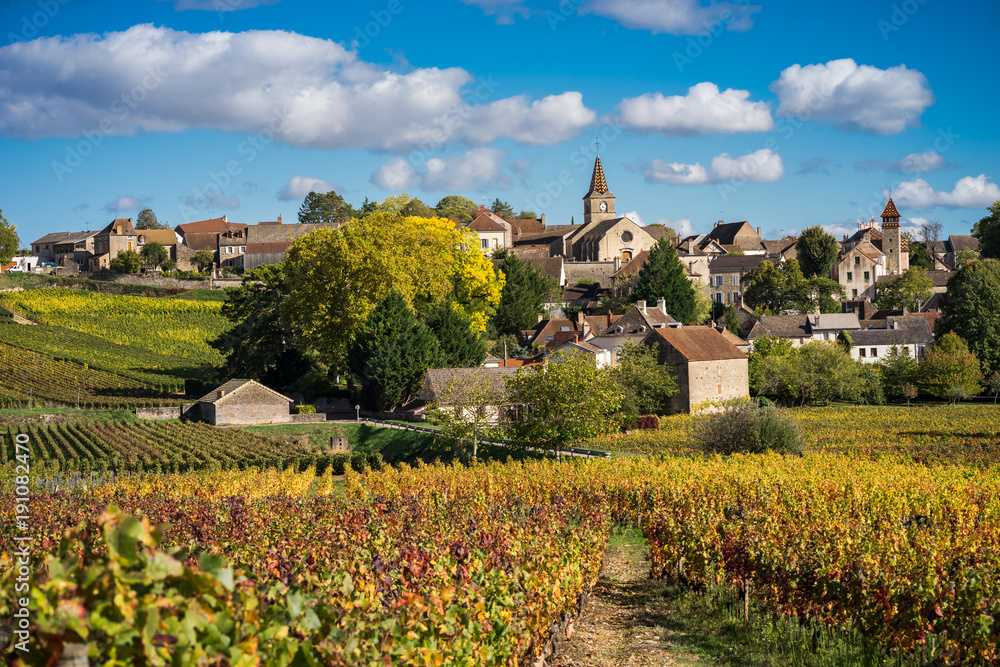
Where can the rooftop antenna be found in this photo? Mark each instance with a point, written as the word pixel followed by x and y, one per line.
pixel 597 144
pixel 723 212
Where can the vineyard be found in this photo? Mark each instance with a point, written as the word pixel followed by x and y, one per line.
pixel 154 446
pixel 166 326
pixel 967 434
pixel 440 565
pixel 44 380
pixel 136 363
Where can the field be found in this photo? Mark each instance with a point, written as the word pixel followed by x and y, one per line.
pixel 46 380
pixel 161 446
pixel 166 326
pixel 928 434
pixel 442 565
pixel 136 363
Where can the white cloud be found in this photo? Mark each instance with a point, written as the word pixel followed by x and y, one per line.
pixel 125 203
pixel 504 10
pixel 634 217
pixel 763 166
pixel 854 97
pixel 969 192
pixel 914 162
pixel 300 186
pixel 676 17
pixel 300 90
pixel 702 111
pixel 476 169
pixel 209 200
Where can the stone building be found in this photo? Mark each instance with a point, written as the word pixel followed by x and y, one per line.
pixel 870 253
pixel 708 368
pixel 244 402
pixel 117 237
pixel 725 274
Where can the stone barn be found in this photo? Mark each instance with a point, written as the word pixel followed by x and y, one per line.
pixel 244 402
pixel 708 368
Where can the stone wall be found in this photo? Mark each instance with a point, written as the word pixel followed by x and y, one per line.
pixel 713 382
pixel 315 417
pixel 598 272
pixel 185 411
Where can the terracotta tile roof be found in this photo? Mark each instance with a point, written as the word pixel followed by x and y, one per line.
pixel 527 226
pixel 212 225
pixel 485 224
pixel 119 226
pixel 284 233
pixel 55 237
pixel 164 237
pixel 202 241
pixel 699 343
pixel 633 265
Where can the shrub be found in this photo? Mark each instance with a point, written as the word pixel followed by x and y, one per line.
pixel 748 428
pixel 305 409
pixel 648 422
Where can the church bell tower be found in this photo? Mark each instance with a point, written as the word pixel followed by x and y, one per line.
pixel 598 203
pixel 891 240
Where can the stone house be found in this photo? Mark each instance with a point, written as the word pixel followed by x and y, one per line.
pixel 117 237
pixel 601 356
pixel 209 235
pixel 460 389
pixel 725 274
pixel 493 231
pixel 870 253
pixel 75 250
pixel 167 238
pixel 244 402
pixel 945 253
pixel 912 334
pixel 802 329
pixel 709 369
pixel 267 243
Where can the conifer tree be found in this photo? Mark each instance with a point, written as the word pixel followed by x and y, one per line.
pixel 459 345
pixel 521 298
pixel 390 354
pixel 663 276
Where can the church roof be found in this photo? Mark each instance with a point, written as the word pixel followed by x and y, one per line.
pixel 598 184
pixel 890 210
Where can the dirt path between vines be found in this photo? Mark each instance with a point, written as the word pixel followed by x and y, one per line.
pixel 626 618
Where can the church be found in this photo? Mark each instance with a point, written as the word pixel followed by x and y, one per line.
pixel 603 236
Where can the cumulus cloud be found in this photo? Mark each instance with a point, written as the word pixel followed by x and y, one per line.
pixel 969 192
pixel 474 170
pixel 124 203
pixel 854 97
pixel 682 226
pixel 675 17
pixel 300 186
pixel 914 162
pixel 703 110
pixel 634 217
pixel 300 90
pixel 763 166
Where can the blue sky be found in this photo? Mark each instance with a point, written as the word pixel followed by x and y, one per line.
pixel 786 114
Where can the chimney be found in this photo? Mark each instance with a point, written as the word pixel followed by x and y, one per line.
pixel 618 262
pixel 816 319
pixel 584 326
pixel 279 218
pixel 541 316
pixel 718 223
pixel 661 303
pixel 758 231
pixel 641 305
pixel 543 220
pixel 221 393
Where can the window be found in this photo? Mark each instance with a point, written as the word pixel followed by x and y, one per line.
pixel 866 276
pixel 720 390
pixel 486 244
pixel 626 236
pixel 861 352
pixel 548 338
pixel 229 250
pixel 890 251
pixel 854 293
pixel 717 297
pixel 736 297
pixel 243 248
pixel 857 261
pixel 850 275
pixel 735 280
pixel 874 351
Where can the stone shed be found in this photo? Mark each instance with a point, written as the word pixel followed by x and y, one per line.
pixel 708 368
pixel 244 402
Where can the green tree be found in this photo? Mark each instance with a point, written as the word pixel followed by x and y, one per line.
pixel 987 230
pixel 502 208
pixel 824 294
pixel 992 385
pixel 260 345
pixel 669 232
pixel 390 354
pixel 765 348
pixel 899 370
pixel 646 386
pixel 127 261
pixel 919 256
pixel 147 220
pixel 456 208
pixel 418 209
pixel 526 215
pixel 459 343
pixel 472 413
pixel 781 287
pixel 663 276
pixel 965 255
pixel 154 254
pixel 567 398
pixel 367 208
pixel 971 308
pixel 326 207
pixel 524 291
pixel 949 369
pixel 816 251
pixel 203 259
pixel 9 240
pixel 910 290
pixel 817 372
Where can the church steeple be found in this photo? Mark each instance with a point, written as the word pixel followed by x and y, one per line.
pixel 599 202
pixel 890 213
